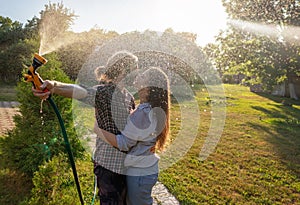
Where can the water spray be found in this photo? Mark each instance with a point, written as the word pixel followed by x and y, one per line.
pixel 34 77
pixel 280 32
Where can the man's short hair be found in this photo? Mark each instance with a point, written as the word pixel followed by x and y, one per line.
pixel 120 61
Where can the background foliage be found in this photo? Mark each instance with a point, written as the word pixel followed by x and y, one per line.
pixel 37 136
pixel 267 58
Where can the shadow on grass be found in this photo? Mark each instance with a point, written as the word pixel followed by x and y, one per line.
pixel 284 119
pixel 279 99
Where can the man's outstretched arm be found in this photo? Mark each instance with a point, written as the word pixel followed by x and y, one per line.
pixel 59 88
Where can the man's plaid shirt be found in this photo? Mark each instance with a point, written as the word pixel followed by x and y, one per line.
pixel 112 108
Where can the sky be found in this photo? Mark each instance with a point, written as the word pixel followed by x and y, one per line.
pixel 203 17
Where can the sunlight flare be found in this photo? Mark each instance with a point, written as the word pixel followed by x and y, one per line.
pixel 280 32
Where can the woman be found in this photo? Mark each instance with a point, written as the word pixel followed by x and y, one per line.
pixel 147 129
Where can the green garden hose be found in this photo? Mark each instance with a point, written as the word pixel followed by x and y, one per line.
pixel 68 147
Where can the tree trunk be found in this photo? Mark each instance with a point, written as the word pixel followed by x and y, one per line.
pixel 292 91
pixel 290 87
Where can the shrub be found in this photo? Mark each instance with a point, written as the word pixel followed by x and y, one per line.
pixel 37 136
pixel 54 182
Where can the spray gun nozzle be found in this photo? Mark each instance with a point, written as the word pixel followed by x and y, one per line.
pixel 32 75
pixel 38 61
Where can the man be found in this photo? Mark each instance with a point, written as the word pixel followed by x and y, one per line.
pixel 113 103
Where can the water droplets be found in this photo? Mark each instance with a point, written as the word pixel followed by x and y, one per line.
pixel 41 106
pixel 41 112
pixel 42 120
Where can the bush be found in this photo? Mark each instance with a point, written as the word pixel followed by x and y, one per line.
pixel 54 182
pixel 37 136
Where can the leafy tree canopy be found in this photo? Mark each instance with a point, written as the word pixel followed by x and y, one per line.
pixel 268 55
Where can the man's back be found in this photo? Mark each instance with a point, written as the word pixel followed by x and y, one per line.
pixel 112 109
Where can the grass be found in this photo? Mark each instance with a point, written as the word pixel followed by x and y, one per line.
pixel 8 93
pixel 257 160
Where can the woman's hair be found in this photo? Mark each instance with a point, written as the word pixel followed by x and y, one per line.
pixel 158 95
pixel 116 64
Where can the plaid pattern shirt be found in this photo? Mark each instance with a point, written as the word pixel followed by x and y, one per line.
pixel 112 108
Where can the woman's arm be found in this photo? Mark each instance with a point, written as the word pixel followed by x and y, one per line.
pixel 106 136
pixel 59 88
pixel 119 141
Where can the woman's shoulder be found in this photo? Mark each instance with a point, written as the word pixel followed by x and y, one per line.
pixel 145 107
pixel 140 117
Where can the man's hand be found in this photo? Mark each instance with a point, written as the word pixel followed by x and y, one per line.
pixel 40 93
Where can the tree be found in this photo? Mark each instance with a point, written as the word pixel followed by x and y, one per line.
pixel 75 54
pixel 183 44
pixel 13 49
pixel 15 58
pixel 267 58
pixel 31 29
pixel 10 31
pixel 237 52
pixel 38 35
pixel 268 11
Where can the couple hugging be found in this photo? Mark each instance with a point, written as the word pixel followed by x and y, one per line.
pixel 128 136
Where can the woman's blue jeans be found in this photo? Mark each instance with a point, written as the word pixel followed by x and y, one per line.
pixel 139 189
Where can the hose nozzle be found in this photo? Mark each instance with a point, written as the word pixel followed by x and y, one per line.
pixel 38 61
pixel 32 75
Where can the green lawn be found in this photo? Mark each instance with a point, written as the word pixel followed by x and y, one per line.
pixel 257 160
pixel 8 93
